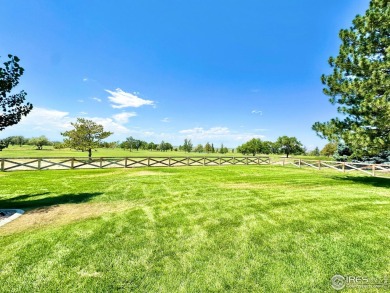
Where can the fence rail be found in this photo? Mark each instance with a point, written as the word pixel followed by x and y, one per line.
pixel 377 170
pixel 63 163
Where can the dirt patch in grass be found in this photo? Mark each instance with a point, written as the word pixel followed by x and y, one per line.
pixel 63 214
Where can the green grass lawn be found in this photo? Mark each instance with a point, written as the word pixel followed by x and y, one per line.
pixel 48 151
pixel 192 229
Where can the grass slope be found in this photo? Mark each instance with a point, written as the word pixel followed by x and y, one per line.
pixel 192 229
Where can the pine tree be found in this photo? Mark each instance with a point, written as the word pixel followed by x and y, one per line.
pixel 360 84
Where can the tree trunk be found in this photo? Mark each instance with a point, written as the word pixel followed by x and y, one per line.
pixel 89 153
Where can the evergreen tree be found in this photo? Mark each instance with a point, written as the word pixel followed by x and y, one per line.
pixel 360 84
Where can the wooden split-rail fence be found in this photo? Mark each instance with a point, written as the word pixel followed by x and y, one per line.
pixel 62 163
pixel 57 163
pixel 376 170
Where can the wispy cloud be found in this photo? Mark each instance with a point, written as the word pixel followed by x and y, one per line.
pixel 218 134
pixel 121 99
pixel 257 112
pixel 85 79
pixel 96 99
pixel 80 101
pixel 83 113
pixel 123 118
pixel 166 120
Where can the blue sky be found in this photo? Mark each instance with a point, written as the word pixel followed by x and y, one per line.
pixel 217 71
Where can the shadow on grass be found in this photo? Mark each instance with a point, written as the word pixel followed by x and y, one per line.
pixel 373 181
pixel 23 202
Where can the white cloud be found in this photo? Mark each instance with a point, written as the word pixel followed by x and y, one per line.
pixel 257 112
pixel 80 101
pixel 41 121
pixel 123 118
pixel 166 120
pixel 218 134
pixel 83 113
pixel 121 99
pixel 96 99
pixel 85 79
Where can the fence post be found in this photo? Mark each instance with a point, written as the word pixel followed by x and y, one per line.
pixel 101 162
pixel 188 161
pixel 220 161
pixel 319 164
pixel 246 161
pixel 72 163
pixel 39 163
pixel 2 165
pixel 283 162
pixel 269 160
pixel 299 163
pixel 373 170
pixel 204 161
pixel 258 161
pixel 234 160
pixel 126 162
pixel 148 161
pixel 169 161
pixel 344 167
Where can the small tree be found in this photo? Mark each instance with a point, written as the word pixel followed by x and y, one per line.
pixel 315 152
pixel 2 145
pixel 207 147
pixel 187 146
pixel 39 142
pixel 289 145
pixel 199 148
pixel 329 149
pixel 85 135
pixel 11 106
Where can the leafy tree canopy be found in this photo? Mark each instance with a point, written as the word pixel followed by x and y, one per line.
pixel 39 142
pixel 11 105
pixel 86 135
pixel 289 145
pixel 360 84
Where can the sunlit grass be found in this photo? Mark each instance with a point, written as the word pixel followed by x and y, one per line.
pixel 192 229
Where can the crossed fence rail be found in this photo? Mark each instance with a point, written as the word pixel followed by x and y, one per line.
pixel 57 163
pixel 61 163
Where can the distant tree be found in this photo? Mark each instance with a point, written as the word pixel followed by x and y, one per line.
pixel 207 148
pixel 164 146
pixel 212 148
pixel 152 146
pixel 223 149
pixel 11 106
pixel 39 142
pixel 187 146
pixel 360 84
pixel 253 146
pixel 199 148
pixel 329 149
pixel 315 152
pixel 168 146
pixel 2 145
pixel 289 145
pixel 268 147
pixel 130 143
pixel 86 135
pixel 58 145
